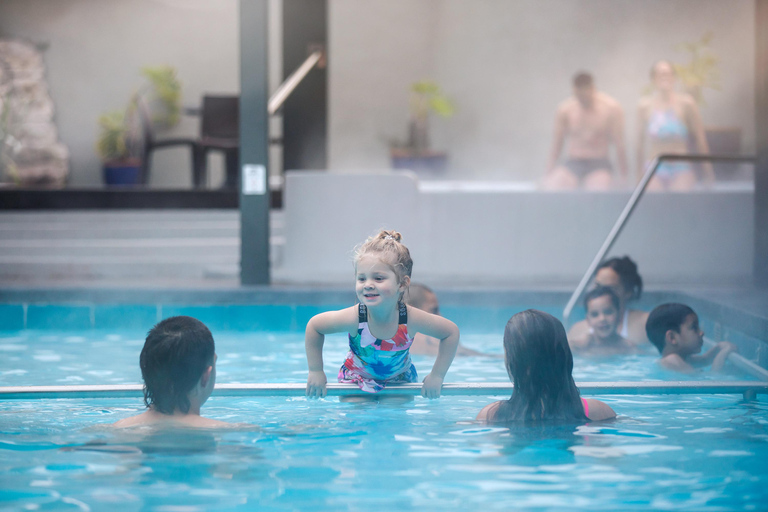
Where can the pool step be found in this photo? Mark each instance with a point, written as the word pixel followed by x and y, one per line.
pixel 136 246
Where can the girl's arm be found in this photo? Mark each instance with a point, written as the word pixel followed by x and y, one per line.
pixel 344 320
pixel 448 334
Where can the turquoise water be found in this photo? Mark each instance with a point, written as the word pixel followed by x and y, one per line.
pixel 663 452
pixel 671 453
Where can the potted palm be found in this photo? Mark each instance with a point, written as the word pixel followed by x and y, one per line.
pixel 119 143
pixel 416 153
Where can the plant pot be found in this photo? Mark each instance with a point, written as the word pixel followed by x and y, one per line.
pixel 122 173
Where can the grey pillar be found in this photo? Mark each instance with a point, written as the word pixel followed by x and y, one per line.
pixel 254 144
pixel 761 132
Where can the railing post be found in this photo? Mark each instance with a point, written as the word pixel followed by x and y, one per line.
pixel 254 144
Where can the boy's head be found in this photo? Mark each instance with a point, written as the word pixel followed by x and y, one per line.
pixel 423 298
pixel 602 305
pixel 674 328
pixel 178 354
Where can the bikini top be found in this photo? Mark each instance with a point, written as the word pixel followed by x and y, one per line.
pixel 383 357
pixel 666 125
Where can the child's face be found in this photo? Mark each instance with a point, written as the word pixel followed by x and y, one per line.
pixel 602 316
pixel 376 283
pixel 691 337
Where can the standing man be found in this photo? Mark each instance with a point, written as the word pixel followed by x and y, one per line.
pixel 592 121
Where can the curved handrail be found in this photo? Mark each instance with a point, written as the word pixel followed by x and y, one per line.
pixel 287 87
pixel 650 170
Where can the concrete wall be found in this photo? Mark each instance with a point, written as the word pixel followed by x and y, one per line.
pixel 500 235
pixel 507 64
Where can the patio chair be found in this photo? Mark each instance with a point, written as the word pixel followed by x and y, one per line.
pixel 220 131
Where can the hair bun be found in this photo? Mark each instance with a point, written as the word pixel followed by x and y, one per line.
pixel 389 235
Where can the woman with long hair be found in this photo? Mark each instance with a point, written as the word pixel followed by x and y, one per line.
pixel 539 363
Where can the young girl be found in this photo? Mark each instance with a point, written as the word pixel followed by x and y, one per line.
pixel 602 306
pixel 540 363
pixel 621 276
pixel 381 327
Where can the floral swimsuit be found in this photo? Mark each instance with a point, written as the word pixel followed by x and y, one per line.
pixel 373 363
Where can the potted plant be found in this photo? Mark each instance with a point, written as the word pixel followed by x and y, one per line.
pixel 700 72
pixel 119 143
pixel 416 154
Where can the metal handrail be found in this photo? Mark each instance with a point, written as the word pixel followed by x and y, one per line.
pixel 287 87
pixel 449 389
pixel 630 206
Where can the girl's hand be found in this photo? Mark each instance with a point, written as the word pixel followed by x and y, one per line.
pixel 316 384
pixel 432 386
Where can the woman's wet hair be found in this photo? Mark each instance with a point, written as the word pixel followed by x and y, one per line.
pixel 627 272
pixel 539 362
pixel 176 353
pixel 600 291
pixel 387 246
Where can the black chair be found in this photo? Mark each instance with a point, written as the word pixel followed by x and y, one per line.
pixel 219 131
pixel 150 144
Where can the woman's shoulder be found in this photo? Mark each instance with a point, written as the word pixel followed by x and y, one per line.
pixel 488 412
pixel 599 410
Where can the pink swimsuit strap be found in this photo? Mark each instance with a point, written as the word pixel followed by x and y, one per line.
pixel 586 407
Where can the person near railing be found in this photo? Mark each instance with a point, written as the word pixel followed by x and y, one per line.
pixel 667 121
pixel 620 275
pixel 591 121
pixel 602 339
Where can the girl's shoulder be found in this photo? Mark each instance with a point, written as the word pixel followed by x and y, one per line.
pixel 599 410
pixel 488 412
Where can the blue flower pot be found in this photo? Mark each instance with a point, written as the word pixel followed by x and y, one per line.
pixel 122 174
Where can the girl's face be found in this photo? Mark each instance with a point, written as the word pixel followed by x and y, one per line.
pixel 376 283
pixel 606 276
pixel 602 317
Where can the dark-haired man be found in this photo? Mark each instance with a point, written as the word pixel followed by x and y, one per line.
pixel 590 121
pixel 178 365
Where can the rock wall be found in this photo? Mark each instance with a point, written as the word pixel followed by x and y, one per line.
pixel 30 150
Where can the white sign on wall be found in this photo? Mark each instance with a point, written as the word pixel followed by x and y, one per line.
pixel 254 179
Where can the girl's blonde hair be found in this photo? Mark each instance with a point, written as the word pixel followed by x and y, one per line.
pixel 386 245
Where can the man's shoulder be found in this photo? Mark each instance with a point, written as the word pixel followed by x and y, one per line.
pixel 607 100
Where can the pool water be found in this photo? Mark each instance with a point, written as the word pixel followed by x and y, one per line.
pixel 678 452
pixel 112 357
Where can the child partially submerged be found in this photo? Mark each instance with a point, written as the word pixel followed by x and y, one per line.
pixel 674 329
pixel 602 305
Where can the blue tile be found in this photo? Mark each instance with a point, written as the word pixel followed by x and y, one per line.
pixel 58 317
pixel 238 317
pixel 133 316
pixel 11 317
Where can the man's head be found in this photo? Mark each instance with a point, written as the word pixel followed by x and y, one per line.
pixel 584 89
pixel 674 329
pixel 421 297
pixel 178 356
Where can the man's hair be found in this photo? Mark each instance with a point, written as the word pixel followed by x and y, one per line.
pixel 667 317
pixel 583 79
pixel 176 353
pixel 600 291
pixel 417 295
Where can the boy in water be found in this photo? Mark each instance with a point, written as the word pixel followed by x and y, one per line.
pixel 422 297
pixel 602 305
pixel 178 365
pixel 674 329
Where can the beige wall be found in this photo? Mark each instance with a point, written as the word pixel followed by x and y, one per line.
pixel 506 63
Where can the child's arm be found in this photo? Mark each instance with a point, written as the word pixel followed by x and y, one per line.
pixel 676 363
pixel 717 355
pixel 448 334
pixel 344 320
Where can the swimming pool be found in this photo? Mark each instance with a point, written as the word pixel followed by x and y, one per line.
pixel 686 452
